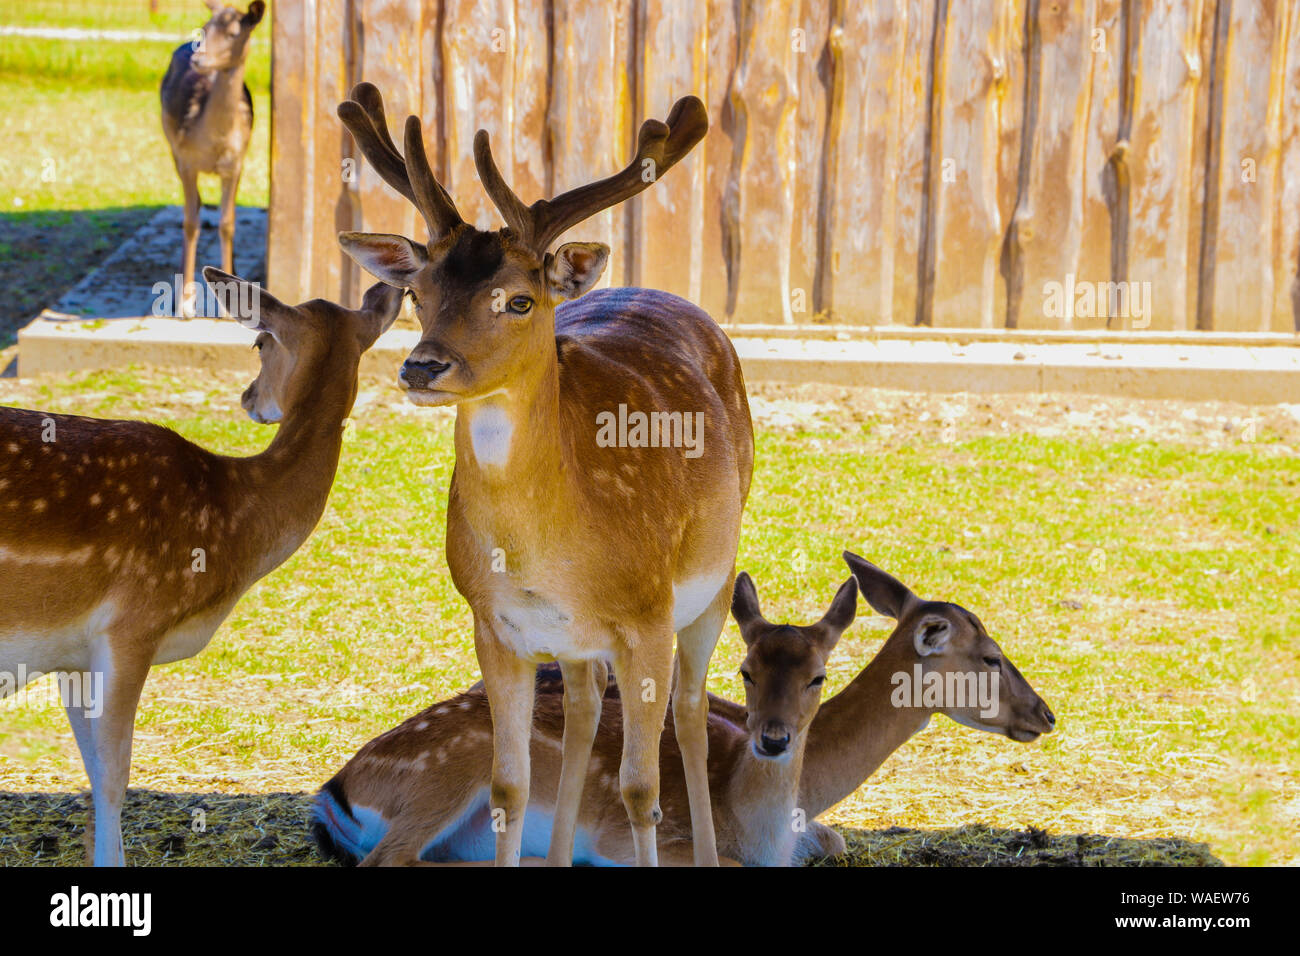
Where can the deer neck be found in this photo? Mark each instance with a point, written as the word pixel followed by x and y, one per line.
pixel 510 441
pixel 855 731
pixel 764 795
pixel 289 482
pixel 226 97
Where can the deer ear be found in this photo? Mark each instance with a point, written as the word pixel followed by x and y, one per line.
pixel 380 307
pixel 932 635
pixel 844 608
pixel 884 592
pixel 247 302
pixel 744 605
pixel 392 259
pixel 253 17
pixel 575 267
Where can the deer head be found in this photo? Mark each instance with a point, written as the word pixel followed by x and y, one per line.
pixel 946 640
pixel 785 667
pixel 225 36
pixel 298 344
pixel 486 300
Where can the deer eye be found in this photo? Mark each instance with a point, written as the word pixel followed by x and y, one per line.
pixel 520 304
pixel 817 681
pixel 745 676
pixel 993 662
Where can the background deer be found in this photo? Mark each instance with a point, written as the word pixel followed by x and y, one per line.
pixel 122 545
pixel 567 549
pixel 207 117
pixel 417 792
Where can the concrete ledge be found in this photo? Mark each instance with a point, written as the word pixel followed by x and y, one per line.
pixel 1254 374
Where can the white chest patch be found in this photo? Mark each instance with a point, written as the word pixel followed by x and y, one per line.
pixel 693 596
pixel 490 432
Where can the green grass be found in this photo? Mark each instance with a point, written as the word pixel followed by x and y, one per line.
pixel 84 162
pixel 1148 590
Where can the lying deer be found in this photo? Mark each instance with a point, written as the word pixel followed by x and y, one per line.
pixel 122 545
pixel 207 117
pixel 572 539
pixel 419 792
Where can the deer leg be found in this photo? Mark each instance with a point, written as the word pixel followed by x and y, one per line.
pixel 226 227
pixel 509 684
pixel 584 688
pixel 695 644
pixel 820 842
pixel 112 731
pixel 193 205
pixel 84 732
pixel 644 673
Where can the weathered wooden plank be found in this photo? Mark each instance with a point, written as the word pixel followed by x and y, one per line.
pixel 1286 248
pixel 387 56
pixel 1010 72
pixel 912 155
pixel 333 206
pixel 964 188
pixel 1101 133
pixel 293 49
pixel 667 236
pixel 1243 243
pixel 1200 69
pixel 590 123
pixel 1046 234
pixel 1164 109
pixel 867 46
pixel 760 210
pixel 717 279
pixel 810 70
pixel 479 41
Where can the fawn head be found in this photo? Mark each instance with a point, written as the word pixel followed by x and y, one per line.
pixel 486 300
pixel 785 667
pixel 964 673
pixel 225 36
pixel 301 346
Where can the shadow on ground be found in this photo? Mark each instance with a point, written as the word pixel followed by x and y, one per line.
pixel 44 254
pixel 221 829
pixel 105 263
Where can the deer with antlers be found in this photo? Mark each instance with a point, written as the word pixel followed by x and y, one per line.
pixel 566 546
pixel 417 794
pixel 122 545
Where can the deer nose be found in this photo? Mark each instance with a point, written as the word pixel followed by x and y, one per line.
pixel 417 373
pixel 1045 712
pixel 773 746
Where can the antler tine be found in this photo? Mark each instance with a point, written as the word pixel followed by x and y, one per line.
pixel 661 143
pixel 517 216
pixel 364 117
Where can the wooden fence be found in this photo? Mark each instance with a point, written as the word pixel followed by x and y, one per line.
pixel 969 163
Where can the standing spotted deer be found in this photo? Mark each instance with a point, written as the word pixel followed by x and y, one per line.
pixel 566 548
pixel 122 545
pixel 207 116
pixel 417 794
